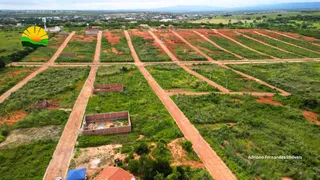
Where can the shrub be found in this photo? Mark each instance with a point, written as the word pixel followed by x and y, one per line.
pixel 187 145
pixel 142 149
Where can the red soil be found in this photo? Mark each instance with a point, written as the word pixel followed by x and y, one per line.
pixel 269 100
pixel 311 116
pixel 13 117
pixel 112 37
pixel 83 38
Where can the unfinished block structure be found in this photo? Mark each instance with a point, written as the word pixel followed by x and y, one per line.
pixel 108 88
pixel 106 123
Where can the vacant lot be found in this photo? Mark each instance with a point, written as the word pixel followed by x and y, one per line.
pixel 10 76
pixel 114 47
pixel 146 47
pixel 28 157
pixel 238 127
pixel 144 149
pixel 43 54
pixel 232 46
pixel 81 48
pixel 301 79
pixel 180 49
pixel 229 79
pixel 205 46
pixel 10 42
pixel 171 76
pixel 300 52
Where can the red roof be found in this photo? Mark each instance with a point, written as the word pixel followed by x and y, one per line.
pixel 114 173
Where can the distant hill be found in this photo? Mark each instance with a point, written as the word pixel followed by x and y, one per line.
pixel 282 6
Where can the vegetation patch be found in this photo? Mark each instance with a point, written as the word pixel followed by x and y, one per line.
pixel 10 76
pixel 114 47
pixel 257 130
pixel 301 79
pixel 171 76
pixel 229 79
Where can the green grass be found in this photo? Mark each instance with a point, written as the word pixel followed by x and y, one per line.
pixel 302 43
pixel 146 51
pixel 52 84
pixel 124 53
pixel 10 42
pixel 27 161
pixel 229 79
pixel 190 55
pixel 301 79
pixel 285 46
pixel 9 77
pixel 171 76
pixel 85 51
pixel 264 48
pixel 237 49
pixel 148 115
pixel 239 129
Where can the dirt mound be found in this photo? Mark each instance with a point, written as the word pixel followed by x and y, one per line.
pixel 24 136
pixel 180 155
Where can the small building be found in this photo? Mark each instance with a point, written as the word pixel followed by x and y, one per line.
pixel 171 26
pixel 108 88
pixel 91 31
pixel 55 29
pixel 106 123
pixel 95 27
pixel 77 174
pixel 162 26
pixel 123 27
pixel 144 26
pixel 114 173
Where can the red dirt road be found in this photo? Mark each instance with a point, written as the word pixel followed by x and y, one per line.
pixel 63 153
pixel 231 39
pixel 98 49
pixel 5 95
pixel 216 167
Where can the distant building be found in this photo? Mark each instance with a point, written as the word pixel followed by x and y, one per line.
pixel 144 26
pixel 91 31
pixel 162 26
pixel 114 173
pixel 95 27
pixel 171 26
pixel 55 29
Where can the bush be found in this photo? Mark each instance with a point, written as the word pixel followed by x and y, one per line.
pixel 187 145
pixel 142 149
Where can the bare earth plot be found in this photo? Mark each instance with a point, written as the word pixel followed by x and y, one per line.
pixel 273 52
pixel 146 47
pixel 114 47
pixel 43 54
pixel 231 45
pixel 181 50
pixel 81 48
pixel 206 47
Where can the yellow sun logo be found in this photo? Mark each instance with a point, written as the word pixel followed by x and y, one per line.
pixel 34 36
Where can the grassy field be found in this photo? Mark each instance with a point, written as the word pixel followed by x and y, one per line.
pixel 10 42
pixel 149 118
pixel 83 47
pixel 206 47
pixel 238 127
pixel 301 79
pixel 235 48
pixel 114 47
pixel 181 50
pixel 285 46
pixel 43 54
pixel 301 43
pixel 171 76
pixel 30 159
pixel 10 76
pixel 265 49
pixel 229 79
pixel 146 51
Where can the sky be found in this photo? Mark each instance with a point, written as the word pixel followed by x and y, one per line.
pixel 129 4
